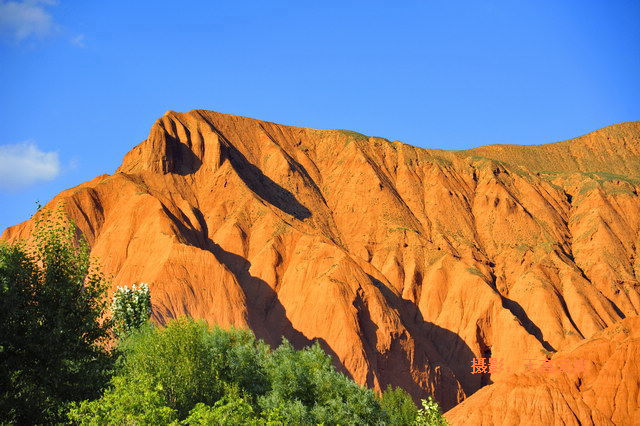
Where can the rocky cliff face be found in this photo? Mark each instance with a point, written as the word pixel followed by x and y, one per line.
pixel 404 263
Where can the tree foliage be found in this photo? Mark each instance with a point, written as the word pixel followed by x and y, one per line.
pixel 52 333
pixel 399 406
pixel 194 375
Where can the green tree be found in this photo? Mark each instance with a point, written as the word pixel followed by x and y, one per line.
pixel 131 308
pixel 399 406
pixel 52 327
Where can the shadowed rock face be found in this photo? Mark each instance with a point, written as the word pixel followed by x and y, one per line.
pixel 404 263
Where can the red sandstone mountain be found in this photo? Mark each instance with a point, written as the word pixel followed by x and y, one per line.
pixel 405 263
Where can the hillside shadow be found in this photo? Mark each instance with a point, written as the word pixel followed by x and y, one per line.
pixel 179 158
pixel 518 311
pixel 261 184
pixel 435 346
pixel 267 316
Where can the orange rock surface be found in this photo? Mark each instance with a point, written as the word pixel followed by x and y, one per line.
pixel 592 382
pixel 404 263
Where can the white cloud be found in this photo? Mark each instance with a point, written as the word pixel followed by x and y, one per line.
pixel 24 164
pixel 23 19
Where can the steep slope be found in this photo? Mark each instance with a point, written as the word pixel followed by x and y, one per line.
pixel 404 263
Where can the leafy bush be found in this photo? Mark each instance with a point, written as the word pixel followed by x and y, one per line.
pixel 399 406
pixel 430 414
pixel 227 411
pixel 325 396
pixel 126 403
pixel 131 308
pixel 195 375
pixel 52 300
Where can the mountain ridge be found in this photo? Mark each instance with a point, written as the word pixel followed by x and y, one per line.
pixel 627 132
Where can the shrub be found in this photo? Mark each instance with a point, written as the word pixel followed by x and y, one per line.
pixel 125 403
pixel 131 308
pixel 225 412
pixel 430 414
pixel 52 300
pixel 325 396
pixel 399 406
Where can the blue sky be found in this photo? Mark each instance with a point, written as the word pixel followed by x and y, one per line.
pixel 81 82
